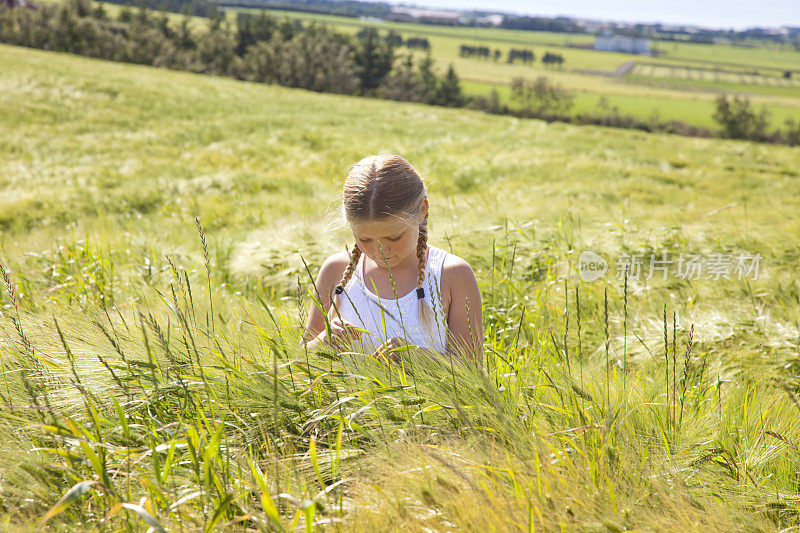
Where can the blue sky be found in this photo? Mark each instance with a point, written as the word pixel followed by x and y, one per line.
pixel 712 13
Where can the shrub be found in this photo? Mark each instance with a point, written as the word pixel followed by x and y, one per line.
pixel 792 134
pixel 488 104
pixel 738 120
pixel 540 97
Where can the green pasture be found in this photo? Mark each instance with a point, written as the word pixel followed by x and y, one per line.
pixel 750 57
pixel 158 233
pixel 651 89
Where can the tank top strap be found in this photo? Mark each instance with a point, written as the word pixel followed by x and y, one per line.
pixel 436 257
pixel 433 270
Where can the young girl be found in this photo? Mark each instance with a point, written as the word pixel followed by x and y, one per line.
pixel 393 288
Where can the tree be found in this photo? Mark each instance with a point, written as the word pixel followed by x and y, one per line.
pixel 251 29
pixel 125 14
pixel 99 12
pixel 312 60
pixel 394 38
pixel 550 58
pixel 216 51
pixel 375 58
pixel 427 79
pixel 184 38
pixel 404 84
pixel 448 91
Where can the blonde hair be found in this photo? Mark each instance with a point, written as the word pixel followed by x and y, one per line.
pixel 386 185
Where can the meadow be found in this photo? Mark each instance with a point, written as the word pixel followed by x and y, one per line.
pixel 158 235
pixel 667 90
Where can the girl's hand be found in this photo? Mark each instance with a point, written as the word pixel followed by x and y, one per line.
pixel 342 332
pixel 387 351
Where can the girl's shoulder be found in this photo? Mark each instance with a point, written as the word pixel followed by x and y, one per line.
pixel 458 285
pixel 332 270
pixel 339 259
pixel 455 266
pixel 456 271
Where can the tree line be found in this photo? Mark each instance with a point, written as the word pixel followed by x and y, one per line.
pixel 259 48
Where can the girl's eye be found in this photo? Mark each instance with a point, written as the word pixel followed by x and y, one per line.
pixel 393 239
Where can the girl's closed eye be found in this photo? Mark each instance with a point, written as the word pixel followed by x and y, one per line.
pixel 393 239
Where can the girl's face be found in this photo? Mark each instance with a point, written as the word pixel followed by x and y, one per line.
pixel 396 238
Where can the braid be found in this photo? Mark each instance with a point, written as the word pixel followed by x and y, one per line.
pixel 426 317
pixel 348 273
pixel 355 253
pixel 422 246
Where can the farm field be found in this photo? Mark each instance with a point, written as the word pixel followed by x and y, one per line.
pixel 651 89
pixel 151 375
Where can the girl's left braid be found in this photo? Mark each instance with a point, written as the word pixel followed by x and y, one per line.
pixel 422 246
pixel 427 320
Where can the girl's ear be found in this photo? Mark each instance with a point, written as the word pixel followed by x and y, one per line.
pixel 423 210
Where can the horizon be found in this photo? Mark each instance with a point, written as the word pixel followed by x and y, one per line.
pixel 736 14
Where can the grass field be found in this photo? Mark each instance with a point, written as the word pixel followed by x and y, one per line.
pixel 151 376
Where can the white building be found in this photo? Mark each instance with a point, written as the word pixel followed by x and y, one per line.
pixel 490 20
pixel 619 43
pixel 434 16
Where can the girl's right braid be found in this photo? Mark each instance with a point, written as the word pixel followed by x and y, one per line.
pixel 355 253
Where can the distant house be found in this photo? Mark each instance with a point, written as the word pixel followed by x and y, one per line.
pixel 490 20
pixel 430 16
pixel 619 43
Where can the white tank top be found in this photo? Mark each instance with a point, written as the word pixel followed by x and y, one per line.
pixel 361 307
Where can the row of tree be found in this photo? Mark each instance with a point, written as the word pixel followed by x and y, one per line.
pixel 198 8
pixel 259 48
pixel 524 55
pixel 395 39
pixel 550 58
pixel 466 50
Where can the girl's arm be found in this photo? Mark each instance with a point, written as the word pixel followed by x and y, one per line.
pixel 329 275
pixel 465 315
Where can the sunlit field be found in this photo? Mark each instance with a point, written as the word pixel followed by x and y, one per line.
pixel 158 235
